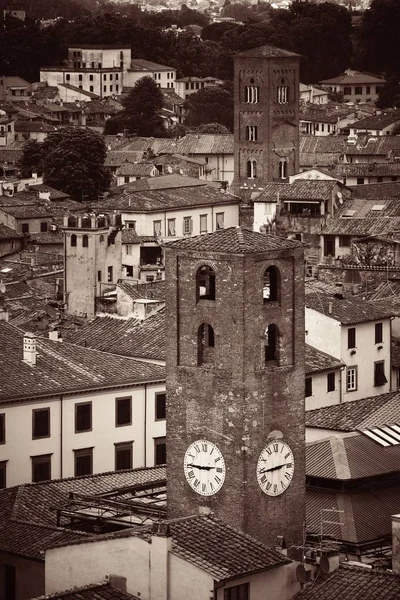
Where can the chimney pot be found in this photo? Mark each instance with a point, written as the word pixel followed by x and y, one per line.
pixel 29 348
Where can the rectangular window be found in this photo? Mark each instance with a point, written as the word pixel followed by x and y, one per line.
pixel 156 228
pixel 131 224
pixel 40 423
pixel 171 227
pixel 368 89
pixel 128 249
pixel 351 379
pixel 68 77
pixel 9 582
pixel 123 411
pixel 90 77
pixel 99 276
pixel 91 88
pixel 109 274
pixel 251 133
pixel 358 90
pixel 160 451
pixel 219 220
pixel 252 94
pixel 111 88
pixel 104 88
pixel 351 337
pixel 187 225
pixel 347 90
pixel 25 228
pixel 308 390
pixel 160 406
pixel 360 180
pixel 41 468
pixel 203 223
pixel 2 428
pixel 344 241
pixel 378 333
pixel 330 382
pixel 379 373
pixel 83 417
pixel 123 456
pixel 3 474
pixel 237 592
pixel 43 226
pixel 283 94
pixel 83 461
pixel 79 77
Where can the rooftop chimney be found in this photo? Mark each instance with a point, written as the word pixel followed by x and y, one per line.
pixel 118 582
pixel 330 307
pixel 30 348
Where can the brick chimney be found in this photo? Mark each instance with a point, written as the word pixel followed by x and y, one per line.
pixel 161 541
pixel 118 582
pixel 30 348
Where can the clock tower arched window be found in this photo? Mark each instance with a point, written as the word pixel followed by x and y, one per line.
pixel 205 344
pixel 271 343
pixel 271 283
pixel 251 169
pixel 205 283
pixel 282 169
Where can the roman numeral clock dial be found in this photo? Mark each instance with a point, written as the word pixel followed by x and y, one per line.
pixel 275 468
pixel 204 467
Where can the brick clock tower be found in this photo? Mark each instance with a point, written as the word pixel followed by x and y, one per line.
pixel 266 121
pixel 235 381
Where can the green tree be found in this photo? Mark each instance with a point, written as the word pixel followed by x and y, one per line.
pixel 210 105
pixel 72 160
pixel 389 94
pixel 30 159
pixel 216 128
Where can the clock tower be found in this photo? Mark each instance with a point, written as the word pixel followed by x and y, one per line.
pixel 235 381
pixel 266 117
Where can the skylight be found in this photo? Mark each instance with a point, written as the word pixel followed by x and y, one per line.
pixel 378 207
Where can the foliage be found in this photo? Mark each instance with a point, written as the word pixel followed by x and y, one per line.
pixel 369 253
pixel 210 105
pixel 141 111
pixel 389 94
pixel 30 159
pixel 216 128
pixel 336 96
pixel 72 160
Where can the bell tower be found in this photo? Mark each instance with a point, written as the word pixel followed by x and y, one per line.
pixel 235 381
pixel 266 117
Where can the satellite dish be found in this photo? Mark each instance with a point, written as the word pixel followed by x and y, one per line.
pixel 303 573
pixel 325 565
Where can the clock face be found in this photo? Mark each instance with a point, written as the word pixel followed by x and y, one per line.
pixel 204 467
pixel 275 468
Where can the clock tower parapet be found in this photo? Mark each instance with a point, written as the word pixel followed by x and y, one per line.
pixel 235 373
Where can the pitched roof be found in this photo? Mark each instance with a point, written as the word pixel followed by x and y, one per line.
pixel 353 77
pixel 28 211
pixel 202 143
pixel 299 189
pixel 266 52
pixel 389 189
pixel 136 169
pixel 22 126
pixel 357 583
pixel 28 519
pixel 154 290
pixel 162 182
pixel 347 311
pixel 8 234
pixel 352 456
pixel 221 550
pixel 116 158
pixel 94 591
pixel 317 361
pixel 378 121
pixel 375 411
pixel 139 64
pixel 74 88
pixel 126 337
pixel 362 226
pixel 171 198
pixel 367 169
pixel 234 240
pixel 54 193
pixel 63 367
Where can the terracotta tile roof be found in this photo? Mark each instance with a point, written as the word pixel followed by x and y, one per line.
pixel 28 519
pixel 390 189
pixel 29 211
pixel 375 169
pixel 17 289
pixel 115 158
pixel 8 234
pixel 154 290
pixel 94 591
pixel 54 193
pixel 221 550
pixel 46 237
pixel 22 126
pixel 129 236
pixel 377 121
pixel 63 367
pixel 357 583
pixel 266 52
pixel 375 411
pixel 126 337
pixel 353 77
pixel 321 150
pixel 136 169
pixel 352 456
pixel 169 198
pixel 358 227
pixel 300 189
pixel 203 143
pixel 358 526
pixel 68 86
pixel 347 311
pixel 317 361
pixel 383 145
pixel 234 240
pixel 162 182
pixel 10 155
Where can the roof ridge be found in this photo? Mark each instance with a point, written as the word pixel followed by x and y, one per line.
pixel 89 586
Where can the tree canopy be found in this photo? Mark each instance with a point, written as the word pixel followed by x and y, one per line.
pixel 210 105
pixel 72 160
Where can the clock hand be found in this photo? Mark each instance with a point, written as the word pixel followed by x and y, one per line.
pixel 271 469
pixel 200 467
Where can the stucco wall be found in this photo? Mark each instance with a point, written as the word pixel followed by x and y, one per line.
pixel 274 584
pixel 323 332
pixel 29 576
pixel 320 395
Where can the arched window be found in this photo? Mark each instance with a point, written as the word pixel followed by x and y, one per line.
pixel 205 344
pixel 251 168
pixel 271 281
pixel 73 240
pixel 205 283
pixel 271 343
pixel 85 241
pixel 282 169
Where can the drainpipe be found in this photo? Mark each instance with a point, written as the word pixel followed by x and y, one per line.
pixel 340 385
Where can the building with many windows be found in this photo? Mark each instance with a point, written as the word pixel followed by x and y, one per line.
pixel 78 411
pixel 356 86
